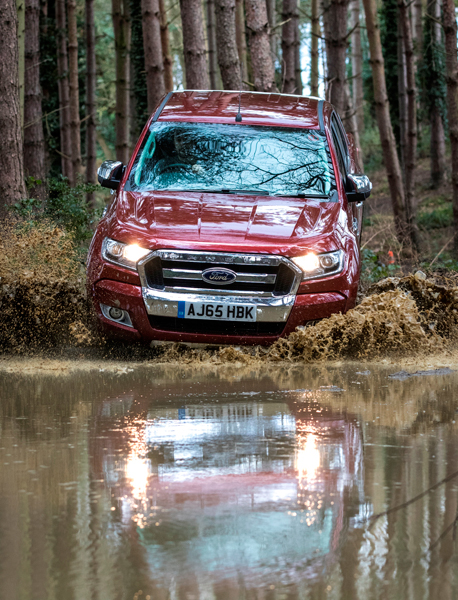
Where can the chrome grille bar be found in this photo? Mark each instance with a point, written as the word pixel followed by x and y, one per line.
pixel 241 277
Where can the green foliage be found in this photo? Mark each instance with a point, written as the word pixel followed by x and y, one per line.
pixel 373 268
pixel 431 72
pixel 64 205
pixel 48 82
pixel 439 217
pixel 371 149
pixel 106 76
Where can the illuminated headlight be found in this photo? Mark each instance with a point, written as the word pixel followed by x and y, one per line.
pixel 320 265
pixel 126 255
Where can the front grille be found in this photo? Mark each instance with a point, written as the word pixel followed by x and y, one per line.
pixel 255 273
pixel 215 327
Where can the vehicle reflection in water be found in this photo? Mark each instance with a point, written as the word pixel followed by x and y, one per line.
pixel 249 491
pixel 188 485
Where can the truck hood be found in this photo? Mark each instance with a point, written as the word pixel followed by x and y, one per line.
pixel 223 219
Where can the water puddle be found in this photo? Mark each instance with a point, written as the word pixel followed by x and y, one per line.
pixel 200 482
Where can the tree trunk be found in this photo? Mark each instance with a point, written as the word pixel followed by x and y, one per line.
pixel 34 143
pixel 211 40
pixel 91 78
pixel 390 156
pixel 315 55
pixel 402 94
pixel 272 18
pixel 434 64
pixel 357 67
pixel 12 187
pixel 64 91
pixel 165 43
pixel 21 54
pixel 417 9
pixel 437 147
pixel 228 58
pixel 154 64
pixel 288 46
pixel 451 64
pixel 138 97
pixel 75 134
pixel 411 140
pixel 194 45
pixel 258 38
pixel 121 26
pixel 335 27
pixel 350 123
pixel 241 38
pixel 297 56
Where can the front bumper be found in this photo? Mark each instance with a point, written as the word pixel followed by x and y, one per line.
pixel 149 306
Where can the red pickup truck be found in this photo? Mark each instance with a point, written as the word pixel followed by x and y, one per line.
pixel 237 219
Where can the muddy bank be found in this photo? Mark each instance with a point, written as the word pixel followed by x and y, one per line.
pixel 44 309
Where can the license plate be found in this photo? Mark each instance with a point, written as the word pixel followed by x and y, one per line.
pixel 216 312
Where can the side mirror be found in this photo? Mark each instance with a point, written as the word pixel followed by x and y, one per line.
pixel 357 187
pixel 110 174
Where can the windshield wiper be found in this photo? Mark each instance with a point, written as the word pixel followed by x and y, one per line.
pixel 332 196
pixel 220 191
pixel 231 191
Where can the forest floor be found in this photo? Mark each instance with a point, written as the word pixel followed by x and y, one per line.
pixel 383 255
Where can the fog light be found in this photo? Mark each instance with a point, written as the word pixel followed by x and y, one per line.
pixel 116 313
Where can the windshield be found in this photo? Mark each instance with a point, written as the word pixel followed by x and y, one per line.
pixel 212 157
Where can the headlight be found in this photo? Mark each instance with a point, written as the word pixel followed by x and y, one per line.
pixel 320 265
pixel 126 255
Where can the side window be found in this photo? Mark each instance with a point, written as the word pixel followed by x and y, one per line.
pixel 338 146
pixel 343 140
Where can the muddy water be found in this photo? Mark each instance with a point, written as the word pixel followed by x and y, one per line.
pixel 228 483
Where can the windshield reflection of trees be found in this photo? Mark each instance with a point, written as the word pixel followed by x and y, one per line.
pixel 206 157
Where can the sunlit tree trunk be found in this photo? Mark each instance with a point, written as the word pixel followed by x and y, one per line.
pixel 315 56
pixel 241 38
pixel 12 186
pixel 91 134
pixel 166 54
pixel 211 41
pixel 357 66
pixel 34 144
pixel 154 64
pixel 335 28
pixel 390 156
pixel 63 90
pixel 451 63
pixel 228 58
pixel 411 139
pixel 259 42
pixel 75 134
pixel 194 45
pixel 121 26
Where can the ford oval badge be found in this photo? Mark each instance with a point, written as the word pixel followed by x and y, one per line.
pixel 219 276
